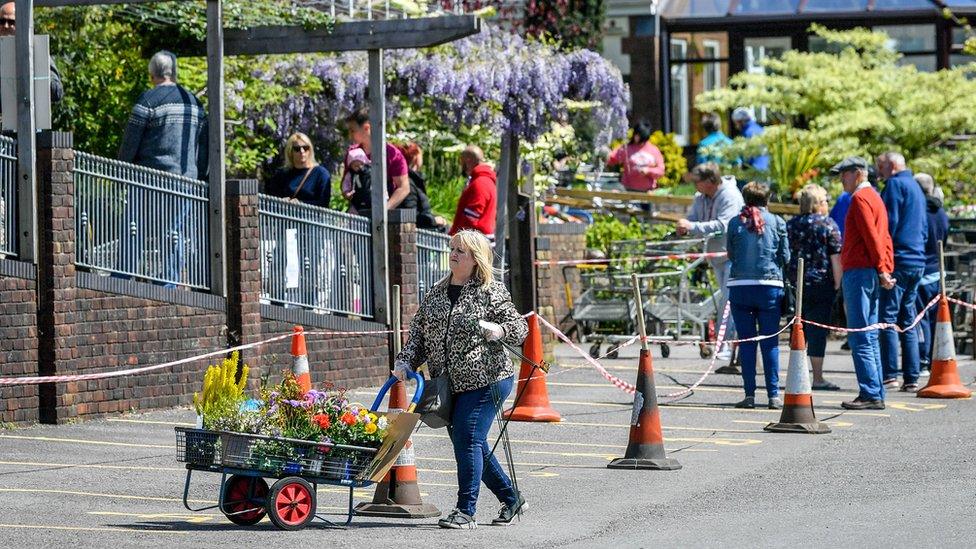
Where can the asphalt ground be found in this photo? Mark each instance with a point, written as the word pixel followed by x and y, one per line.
pixel 901 477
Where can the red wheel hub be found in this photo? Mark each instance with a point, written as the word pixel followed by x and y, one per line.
pixel 293 504
pixel 245 494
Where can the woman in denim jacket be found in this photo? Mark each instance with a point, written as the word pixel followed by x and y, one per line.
pixel 456 332
pixel 758 250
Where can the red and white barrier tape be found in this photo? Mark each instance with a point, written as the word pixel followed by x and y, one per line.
pixel 554 263
pixel 619 383
pixel 959 302
pixel 719 339
pixel 880 325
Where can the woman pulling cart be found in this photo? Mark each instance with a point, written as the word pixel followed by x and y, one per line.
pixel 457 332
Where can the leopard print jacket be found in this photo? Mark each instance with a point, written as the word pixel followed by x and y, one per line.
pixel 450 339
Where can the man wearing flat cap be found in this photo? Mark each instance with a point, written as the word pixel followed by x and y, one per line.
pixel 867 260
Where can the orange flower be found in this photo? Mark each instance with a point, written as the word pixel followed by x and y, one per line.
pixel 348 418
pixel 322 420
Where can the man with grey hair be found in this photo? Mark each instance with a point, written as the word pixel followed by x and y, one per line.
pixel 167 131
pixel 478 202
pixel 908 227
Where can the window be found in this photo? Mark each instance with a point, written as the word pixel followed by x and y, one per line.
pixel 758 49
pixel 679 91
pixel 758 7
pixel 711 49
pixel 834 5
pixel 696 8
pixel 910 38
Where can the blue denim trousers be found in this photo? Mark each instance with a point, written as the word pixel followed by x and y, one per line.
pixel 474 411
pixel 752 305
pixel 861 294
pixel 898 307
pixel 925 294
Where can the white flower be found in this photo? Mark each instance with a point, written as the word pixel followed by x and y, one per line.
pixel 382 422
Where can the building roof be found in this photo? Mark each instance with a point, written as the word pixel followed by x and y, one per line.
pixel 690 9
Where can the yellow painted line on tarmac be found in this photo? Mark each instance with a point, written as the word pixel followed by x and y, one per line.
pixel 832 423
pixel 93 529
pixel 546 442
pixel 90 466
pixel 88 441
pixel 193 519
pixel 520 463
pixel 568 454
pixel 150 422
pixel 100 495
pixel 905 406
pixel 668 387
pixel 718 441
pixel 767 411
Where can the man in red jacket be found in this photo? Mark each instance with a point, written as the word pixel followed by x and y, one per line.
pixel 867 260
pixel 476 207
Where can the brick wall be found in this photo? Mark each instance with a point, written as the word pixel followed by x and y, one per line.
pixel 557 242
pixel 18 340
pixel 55 320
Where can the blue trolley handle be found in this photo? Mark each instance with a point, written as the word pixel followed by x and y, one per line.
pixel 419 392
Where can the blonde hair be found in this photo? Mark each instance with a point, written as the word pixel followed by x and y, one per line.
pixel 293 140
pixel 480 248
pixel 810 197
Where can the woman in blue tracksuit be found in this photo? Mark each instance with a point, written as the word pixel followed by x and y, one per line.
pixel 758 251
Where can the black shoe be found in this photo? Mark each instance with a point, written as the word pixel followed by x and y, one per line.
pixel 508 514
pixel 858 404
pixel 458 521
pixel 845 346
pixel 728 369
pixel 747 403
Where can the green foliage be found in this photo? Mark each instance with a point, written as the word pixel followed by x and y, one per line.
pixel 858 100
pixel 792 163
pixel 675 164
pixel 99 57
pixel 607 229
pixel 190 18
pixel 223 391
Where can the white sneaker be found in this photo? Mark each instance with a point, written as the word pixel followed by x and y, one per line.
pixel 724 355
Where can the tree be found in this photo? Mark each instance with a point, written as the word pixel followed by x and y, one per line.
pixel 858 100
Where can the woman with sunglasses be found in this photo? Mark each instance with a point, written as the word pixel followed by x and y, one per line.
pixel 302 178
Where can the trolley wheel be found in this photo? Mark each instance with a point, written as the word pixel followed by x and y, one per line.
pixel 613 352
pixel 595 350
pixel 665 350
pixel 244 493
pixel 704 350
pixel 291 503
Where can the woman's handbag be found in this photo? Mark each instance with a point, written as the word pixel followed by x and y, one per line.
pixel 437 402
pixel 787 306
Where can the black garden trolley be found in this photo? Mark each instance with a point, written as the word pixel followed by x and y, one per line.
pixel 245 461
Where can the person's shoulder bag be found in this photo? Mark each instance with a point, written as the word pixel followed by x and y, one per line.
pixel 437 402
pixel 301 184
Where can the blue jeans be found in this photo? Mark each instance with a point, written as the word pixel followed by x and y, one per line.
pixel 474 411
pixel 898 307
pixel 925 294
pixel 861 294
pixel 818 304
pixel 752 304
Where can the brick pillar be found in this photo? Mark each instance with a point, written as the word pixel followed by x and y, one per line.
pixel 557 243
pixel 56 306
pixel 403 261
pixel 243 267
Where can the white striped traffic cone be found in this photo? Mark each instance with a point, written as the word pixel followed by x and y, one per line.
pixel 944 381
pixel 299 360
pixel 798 416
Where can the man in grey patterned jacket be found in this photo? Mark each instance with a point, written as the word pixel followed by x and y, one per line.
pixel 167 131
pixel 717 201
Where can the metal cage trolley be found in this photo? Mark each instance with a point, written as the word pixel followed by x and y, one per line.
pixel 245 461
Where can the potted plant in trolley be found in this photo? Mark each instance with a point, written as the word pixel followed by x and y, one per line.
pixel 218 408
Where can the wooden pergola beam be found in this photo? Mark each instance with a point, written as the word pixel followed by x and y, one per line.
pixel 388 34
pixel 82 3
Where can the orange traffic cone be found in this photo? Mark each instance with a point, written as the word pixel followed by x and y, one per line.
pixel 299 360
pixel 398 495
pixel 645 449
pixel 533 403
pixel 798 416
pixel 944 380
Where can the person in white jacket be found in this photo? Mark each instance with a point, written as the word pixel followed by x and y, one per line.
pixel 717 201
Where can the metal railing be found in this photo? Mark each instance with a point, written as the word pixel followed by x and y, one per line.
pixel 141 223
pixel 433 254
pixel 315 258
pixel 8 197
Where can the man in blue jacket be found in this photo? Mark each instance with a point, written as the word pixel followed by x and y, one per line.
pixel 908 225
pixel 745 121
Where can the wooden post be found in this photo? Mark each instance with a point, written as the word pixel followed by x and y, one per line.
pixel 942 288
pixel 502 186
pixel 215 144
pixel 396 324
pixel 377 123
pixel 640 311
pixel 26 134
pixel 521 236
pixel 800 271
